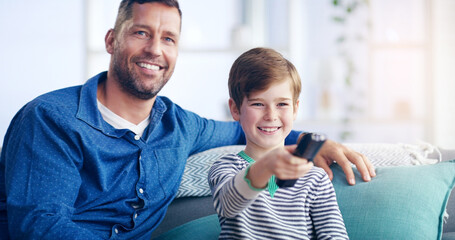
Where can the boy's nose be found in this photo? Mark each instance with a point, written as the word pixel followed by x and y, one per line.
pixel 270 115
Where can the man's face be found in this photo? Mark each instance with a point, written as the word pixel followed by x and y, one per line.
pixel 144 51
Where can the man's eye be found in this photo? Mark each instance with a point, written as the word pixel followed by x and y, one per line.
pixel 257 104
pixel 168 39
pixel 283 104
pixel 141 34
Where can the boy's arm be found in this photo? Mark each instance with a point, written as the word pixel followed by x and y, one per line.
pixel 230 191
pixel 279 162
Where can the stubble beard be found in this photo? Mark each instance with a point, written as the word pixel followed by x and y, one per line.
pixel 130 80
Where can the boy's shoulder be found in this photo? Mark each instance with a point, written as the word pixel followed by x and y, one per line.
pixel 318 174
pixel 319 170
pixel 231 159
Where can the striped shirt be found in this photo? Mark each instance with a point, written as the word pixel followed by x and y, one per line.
pixel 308 210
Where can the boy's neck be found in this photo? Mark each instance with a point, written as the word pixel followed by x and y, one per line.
pixel 256 152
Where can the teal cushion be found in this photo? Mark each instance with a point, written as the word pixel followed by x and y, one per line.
pixel 206 227
pixel 399 203
pixel 448 236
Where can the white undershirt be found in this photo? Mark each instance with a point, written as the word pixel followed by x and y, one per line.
pixel 120 123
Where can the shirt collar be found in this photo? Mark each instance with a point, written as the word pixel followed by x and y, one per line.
pixel 271 186
pixel 89 113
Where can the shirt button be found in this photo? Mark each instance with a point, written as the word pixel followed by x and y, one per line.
pixel 135 216
pixel 141 190
pixel 137 137
pixel 116 231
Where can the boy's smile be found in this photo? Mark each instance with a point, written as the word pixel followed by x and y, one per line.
pixel 269 129
pixel 267 117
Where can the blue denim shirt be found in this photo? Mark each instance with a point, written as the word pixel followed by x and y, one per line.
pixel 67 174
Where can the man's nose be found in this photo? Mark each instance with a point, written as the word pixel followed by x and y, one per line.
pixel 154 46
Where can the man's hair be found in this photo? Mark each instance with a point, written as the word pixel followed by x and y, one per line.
pixel 256 70
pixel 125 10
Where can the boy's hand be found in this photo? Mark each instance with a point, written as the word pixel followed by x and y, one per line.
pixel 279 162
pixel 291 166
pixel 334 152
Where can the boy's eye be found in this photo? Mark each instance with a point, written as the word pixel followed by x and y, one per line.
pixel 283 104
pixel 257 104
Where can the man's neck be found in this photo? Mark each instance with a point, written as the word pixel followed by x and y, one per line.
pixel 130 108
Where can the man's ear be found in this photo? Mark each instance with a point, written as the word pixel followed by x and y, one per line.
pixel 109 41
pixel 296 108
pixel 235 112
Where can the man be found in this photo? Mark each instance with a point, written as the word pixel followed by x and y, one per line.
pixel 105 159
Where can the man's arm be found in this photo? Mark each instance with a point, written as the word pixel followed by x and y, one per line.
pixel 334 152
pixel 217 133
pixel 41 179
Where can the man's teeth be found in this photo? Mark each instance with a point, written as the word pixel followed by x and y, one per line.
pixel 149 66
pixel 269 129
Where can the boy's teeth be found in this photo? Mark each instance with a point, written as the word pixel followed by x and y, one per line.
pixel 269 129
pixel 149 66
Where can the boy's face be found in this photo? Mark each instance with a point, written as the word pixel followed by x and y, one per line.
pixel 267 116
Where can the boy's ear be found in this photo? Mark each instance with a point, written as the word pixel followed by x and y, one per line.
pixel 235 112
pixel 296 109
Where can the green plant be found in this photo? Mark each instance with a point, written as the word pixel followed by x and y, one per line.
pixel 346 12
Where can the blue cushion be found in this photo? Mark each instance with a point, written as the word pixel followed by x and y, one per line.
pixel 399 203
pixel 448 236
pixel 205 228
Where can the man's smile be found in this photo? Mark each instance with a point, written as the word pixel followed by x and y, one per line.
pixel 148 66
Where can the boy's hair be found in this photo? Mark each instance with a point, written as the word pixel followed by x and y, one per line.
pixel 125 11
pixel 256 70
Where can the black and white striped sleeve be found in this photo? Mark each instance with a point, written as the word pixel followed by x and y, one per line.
pixel 231 193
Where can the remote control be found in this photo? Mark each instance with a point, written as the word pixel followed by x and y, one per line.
pixel 307 148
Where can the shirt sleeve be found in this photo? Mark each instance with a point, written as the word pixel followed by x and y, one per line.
pixel 230 191
pixel 326 216
pixel 41 177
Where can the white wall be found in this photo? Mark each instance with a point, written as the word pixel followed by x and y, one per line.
pixel 444 73
pixel 41 49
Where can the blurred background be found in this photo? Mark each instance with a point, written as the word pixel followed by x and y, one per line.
pixel 377 71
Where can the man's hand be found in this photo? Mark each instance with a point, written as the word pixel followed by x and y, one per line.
pixel 334 152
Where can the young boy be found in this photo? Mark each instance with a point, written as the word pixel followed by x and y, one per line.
pixel 264 90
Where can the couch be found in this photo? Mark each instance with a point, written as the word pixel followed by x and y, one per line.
pixel 409 199
pixel 191 215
